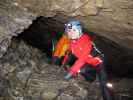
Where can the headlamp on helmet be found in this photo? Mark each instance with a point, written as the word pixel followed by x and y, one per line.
pixel 73 25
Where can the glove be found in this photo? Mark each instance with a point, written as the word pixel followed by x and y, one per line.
pixel 68 76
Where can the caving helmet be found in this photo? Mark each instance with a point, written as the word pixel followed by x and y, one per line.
pixel 73 29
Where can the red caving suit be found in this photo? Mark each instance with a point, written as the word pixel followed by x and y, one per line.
pixel 81 48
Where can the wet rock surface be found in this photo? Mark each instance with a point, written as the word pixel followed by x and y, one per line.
pixel 25 75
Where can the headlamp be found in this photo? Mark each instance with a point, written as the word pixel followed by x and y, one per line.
pixel 69 26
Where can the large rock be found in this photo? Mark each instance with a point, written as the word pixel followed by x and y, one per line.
pixel 13 20
pixel 25 75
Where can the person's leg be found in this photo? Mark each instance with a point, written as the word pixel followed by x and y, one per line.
pixel 88 72
pixel 71 59
pixel 102 76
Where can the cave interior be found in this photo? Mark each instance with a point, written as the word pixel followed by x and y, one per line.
pixel 44 32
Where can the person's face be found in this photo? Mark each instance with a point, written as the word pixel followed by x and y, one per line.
pixel 73 33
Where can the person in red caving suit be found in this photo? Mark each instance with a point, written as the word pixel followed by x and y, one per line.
pixel 87 58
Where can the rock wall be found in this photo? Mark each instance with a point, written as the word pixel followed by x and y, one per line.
pixel 111 19
pixel 13 20
pixel 25 75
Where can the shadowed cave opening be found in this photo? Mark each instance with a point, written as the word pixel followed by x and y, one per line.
pixel 44 31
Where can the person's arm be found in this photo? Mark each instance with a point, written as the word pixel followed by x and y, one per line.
pixel 76 67
pixel 81 51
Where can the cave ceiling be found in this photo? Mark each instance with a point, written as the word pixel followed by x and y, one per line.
pixel 112 19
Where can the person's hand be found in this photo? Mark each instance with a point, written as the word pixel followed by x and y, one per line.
pixel 68 76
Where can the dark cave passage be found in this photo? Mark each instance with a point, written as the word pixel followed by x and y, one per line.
pixel 45 31
pixel 41 33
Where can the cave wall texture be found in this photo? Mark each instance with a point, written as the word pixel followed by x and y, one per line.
pixel 112 19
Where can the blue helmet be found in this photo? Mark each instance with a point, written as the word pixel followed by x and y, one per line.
pixel 73 24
